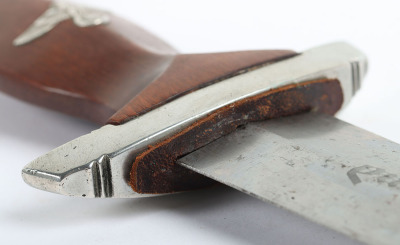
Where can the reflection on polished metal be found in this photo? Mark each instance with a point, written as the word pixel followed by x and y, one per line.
pixel 58 12
pixel 75 168
pixel 317 166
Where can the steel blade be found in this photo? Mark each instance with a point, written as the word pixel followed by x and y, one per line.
pixel 317 166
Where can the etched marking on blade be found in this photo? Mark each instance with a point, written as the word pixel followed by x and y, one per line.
pixel 321 168
pixel 379 176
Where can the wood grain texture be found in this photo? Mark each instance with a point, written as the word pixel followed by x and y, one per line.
pixel 155 170
pixel 115 69
pixel 87 72
pixel 190 72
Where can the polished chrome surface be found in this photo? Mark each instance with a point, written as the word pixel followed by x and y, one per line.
pixel 73 169
pixel 317 166
pixel 58 12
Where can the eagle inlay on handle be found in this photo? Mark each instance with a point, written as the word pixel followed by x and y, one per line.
pixel 58 12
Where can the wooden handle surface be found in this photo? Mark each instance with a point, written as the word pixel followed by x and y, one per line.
pixel 107 73
pixel 89 72
pixel 115 72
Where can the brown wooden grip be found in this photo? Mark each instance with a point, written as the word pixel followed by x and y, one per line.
pixel 189 72
pixel 89 72
pixel 107 73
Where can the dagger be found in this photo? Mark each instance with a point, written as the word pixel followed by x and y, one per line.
pixel 104 162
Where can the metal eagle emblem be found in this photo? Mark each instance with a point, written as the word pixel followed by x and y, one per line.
pixel 60 11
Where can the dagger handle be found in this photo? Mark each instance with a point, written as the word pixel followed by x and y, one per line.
pixel 115 71
pixel 89 72
pixel 108 73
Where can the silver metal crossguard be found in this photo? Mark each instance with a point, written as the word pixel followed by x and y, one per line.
pixel 98 164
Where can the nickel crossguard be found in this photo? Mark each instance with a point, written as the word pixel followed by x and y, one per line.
pixel 100 164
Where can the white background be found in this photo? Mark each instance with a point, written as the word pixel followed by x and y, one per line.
pixel 214 216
